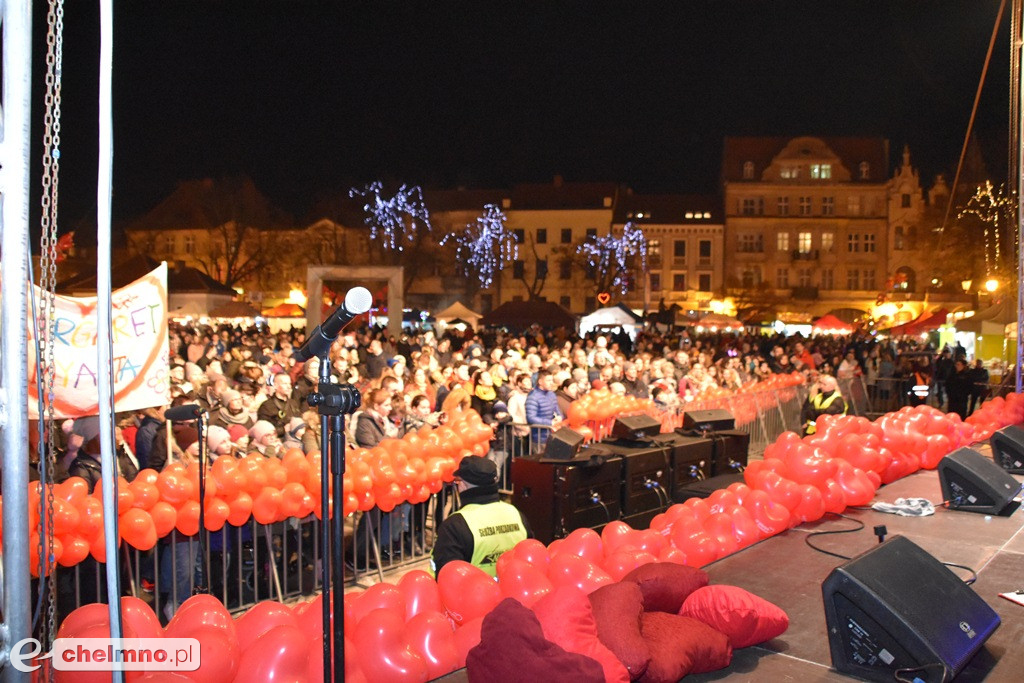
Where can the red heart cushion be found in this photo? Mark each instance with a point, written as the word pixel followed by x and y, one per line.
pixel 744 617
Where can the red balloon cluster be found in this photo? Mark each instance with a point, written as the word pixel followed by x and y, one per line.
pixel 996 414
pixel 266 489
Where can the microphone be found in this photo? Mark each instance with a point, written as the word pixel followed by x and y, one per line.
pixel 188 411
pixel 357 301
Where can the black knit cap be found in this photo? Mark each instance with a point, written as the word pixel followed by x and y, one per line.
pixel 477 471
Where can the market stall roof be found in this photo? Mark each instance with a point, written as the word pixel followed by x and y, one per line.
pixel 458 311
pixel 720 322
pixel 830 324
pixel 523 314
pixel 611 316
pixel 926 322
pixel 285 309
pixel 1002 312
pixel 235 309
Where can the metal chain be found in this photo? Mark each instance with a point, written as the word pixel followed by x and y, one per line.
pixel 48 286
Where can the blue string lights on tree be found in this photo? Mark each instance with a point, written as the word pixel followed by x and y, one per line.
pixel 610 255
pixel 486 246
pixel 396 219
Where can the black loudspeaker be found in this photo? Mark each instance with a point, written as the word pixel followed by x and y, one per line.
pixel 692 458
pixel 557 498
pixel 897 607
pixel 705 487
pixel 708 420
pixel 731 449
pixel 1008 448
pixel 563 444
pixel 973 483
pixel 635 427
pixel 646 477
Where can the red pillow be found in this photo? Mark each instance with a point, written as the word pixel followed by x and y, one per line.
pixel 568 621
pixel 681 646
pixel 512 648
pixel 617 609
pixel 746 618
pixel 665 584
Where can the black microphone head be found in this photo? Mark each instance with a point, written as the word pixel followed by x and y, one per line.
pixel 188 411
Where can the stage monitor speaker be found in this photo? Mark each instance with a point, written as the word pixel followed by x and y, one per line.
pixel 563 444
pixel 973 483
pixel 708 420
pixel 1008 448
pixel 896 607
pixel 635 427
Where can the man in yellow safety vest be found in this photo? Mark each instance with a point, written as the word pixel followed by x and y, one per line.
pixel 484 527
pixel 826 401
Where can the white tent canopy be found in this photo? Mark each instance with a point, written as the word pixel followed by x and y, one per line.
pixel 613 316
pixel 458 311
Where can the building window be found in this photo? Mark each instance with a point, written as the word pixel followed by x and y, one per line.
pixel 750 206
pixel 655 282
pixel 827 279
pixel 790 172
pixel 865 170
pixel 748 170
pixel 828 239
pixel 783 206
pixel 828 206
pixel 542 267
pixel 805 206
pixel 704 252
pixel 190 244
pixel 168 244
pixel 869 243
pixel 803 277
pixel 803 242
pixel 565 270
pixel 704 282
pixel 897 238
pixel 566 235
pixel 853 205
pixel 821 171
pixel 518 269
pixel 905 200
pixel 782 278
pixel 679 282
pixel 868 279
pixel 751 276
pixel 654 248
pixel 591 233
pixel 782 241
pixel 517 297
pixel 520 235
pixel 565 301
pixel 853 244
pixel 589 303
pixel 679 249
pixel 542 235
pixel 751 243
pixel 853 279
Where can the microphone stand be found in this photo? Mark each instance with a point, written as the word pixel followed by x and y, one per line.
pixel 333 402
pixel 201 585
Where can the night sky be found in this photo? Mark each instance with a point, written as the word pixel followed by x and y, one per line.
pixel 310 98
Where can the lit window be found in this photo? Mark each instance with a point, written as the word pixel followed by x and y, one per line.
pixel 827 240
pixel 821 171
pixel 707 214
pixel 805 206
pixel 654 247
pixel 803 243
pixel 782 241
pixel 790 172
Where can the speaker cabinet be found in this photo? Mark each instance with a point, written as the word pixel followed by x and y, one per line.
pixel 646 477
pixel 691 458
pixel 635 427
pixel 705 487
pixel 731 448
pixel 973 483
pixel 897 607
pixel 708 420
pixel 1008 448
pixel 563 444
pixel 557 498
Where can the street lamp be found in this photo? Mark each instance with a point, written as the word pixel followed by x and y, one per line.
pixel 966 284
pixel 991 285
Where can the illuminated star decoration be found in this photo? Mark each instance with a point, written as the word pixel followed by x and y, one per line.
pixel 486 246
pixel 396 219
pixel 604 253
pixel 996 209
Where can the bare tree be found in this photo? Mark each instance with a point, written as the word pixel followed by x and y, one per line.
pixel 615 261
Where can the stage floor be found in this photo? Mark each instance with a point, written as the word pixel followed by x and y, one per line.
pixel 784 570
